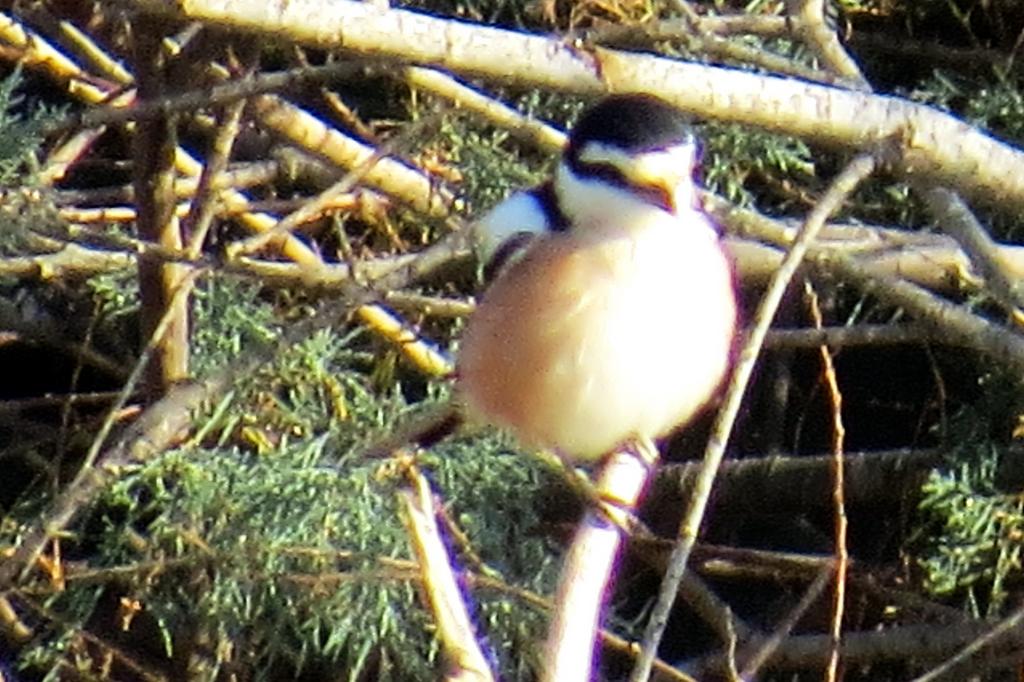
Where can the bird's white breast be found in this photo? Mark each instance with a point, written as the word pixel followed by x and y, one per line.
pixel 602 334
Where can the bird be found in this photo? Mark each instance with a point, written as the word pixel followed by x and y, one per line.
pixel 612 312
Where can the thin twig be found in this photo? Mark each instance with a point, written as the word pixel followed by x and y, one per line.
pixel 838 493
pixel 200 216
pixel 676 28
pixel 217 95
pixel 238 176
pixel 812 27
pixel 1006 626
pixel 306 131
pixel 699 36
pixel 768 647
pixel 954 217
pixel 38 53
pixel 955 325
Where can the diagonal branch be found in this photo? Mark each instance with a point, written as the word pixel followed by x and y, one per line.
pixel 939 146
pixel 855 172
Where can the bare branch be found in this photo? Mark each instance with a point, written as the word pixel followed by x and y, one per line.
pixel 938 145
pixel 812 26
pixel 457 634
pixel 875 478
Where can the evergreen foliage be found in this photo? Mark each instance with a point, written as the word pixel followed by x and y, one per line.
pixel 23 210
pixel 21 124
pixel 289 552
pixel 969 543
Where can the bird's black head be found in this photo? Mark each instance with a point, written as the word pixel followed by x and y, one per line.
pixel 632 142
pixel 633 123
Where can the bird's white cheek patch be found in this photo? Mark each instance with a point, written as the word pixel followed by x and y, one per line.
pixel 671 166
pixel 670 169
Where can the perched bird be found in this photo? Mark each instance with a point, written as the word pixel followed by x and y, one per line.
pixel 616 320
